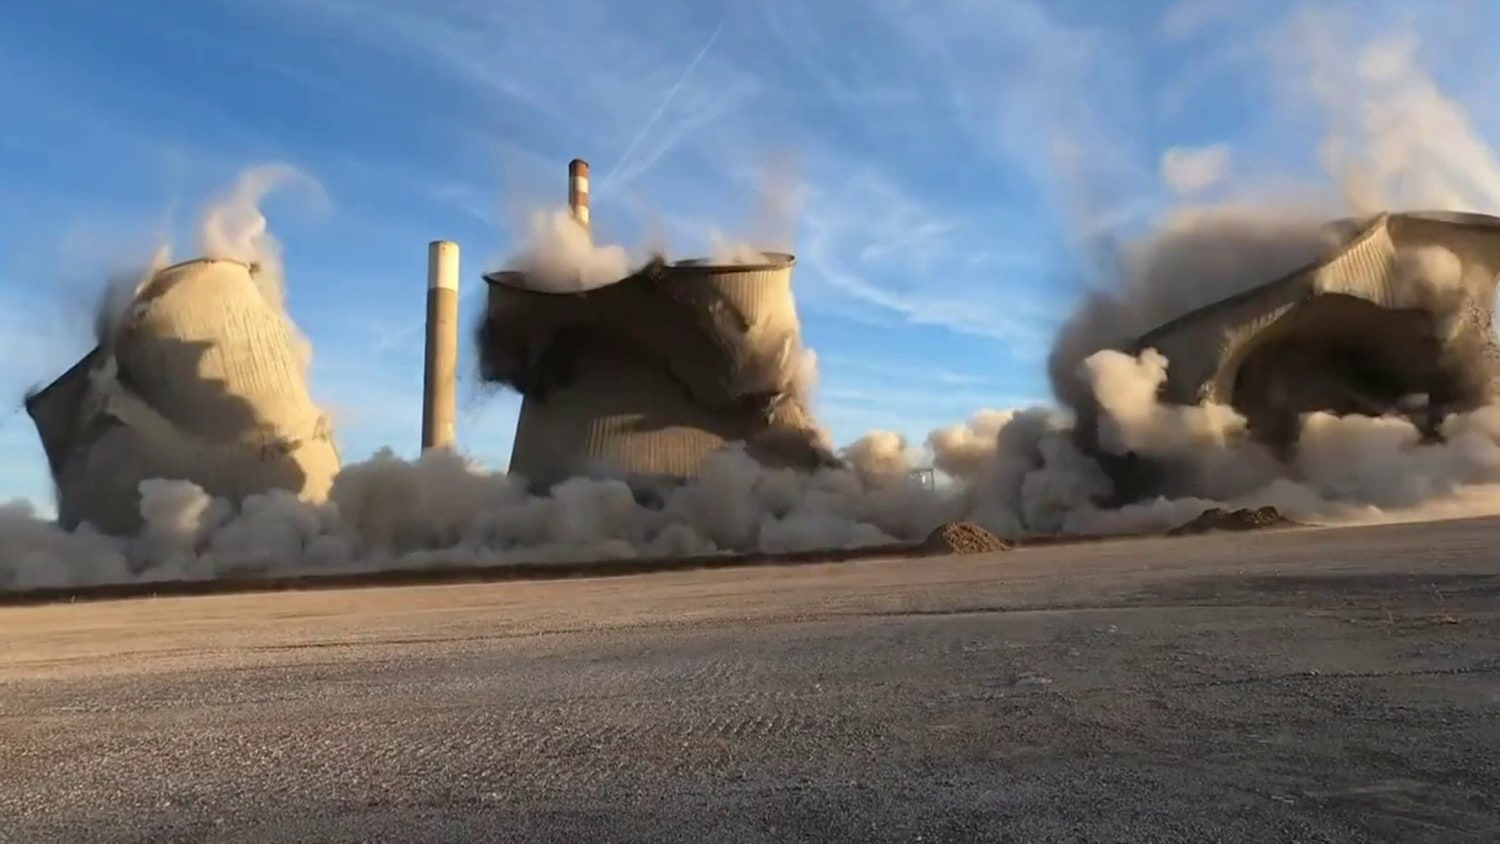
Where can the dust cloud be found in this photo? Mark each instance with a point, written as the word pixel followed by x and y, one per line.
pixel 1390 139
pixel 560 256
pixel 234 228
pixel 1014 472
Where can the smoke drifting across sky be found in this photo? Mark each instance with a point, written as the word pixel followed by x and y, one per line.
pixel 559 255
pixel 1388 136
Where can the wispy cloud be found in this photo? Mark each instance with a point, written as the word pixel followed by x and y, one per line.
pixel 585 72
pixel 1188 170
pixel 873 247
pixel 645 130
pixel 632 88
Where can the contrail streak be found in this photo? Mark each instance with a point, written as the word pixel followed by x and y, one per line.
pixel 662 108
pixel 402 335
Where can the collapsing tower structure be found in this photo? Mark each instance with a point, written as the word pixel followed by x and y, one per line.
pixel 199 378
pixel 648 375
pixel 1397 319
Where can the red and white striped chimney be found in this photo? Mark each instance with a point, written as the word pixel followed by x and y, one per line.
pixel 578 191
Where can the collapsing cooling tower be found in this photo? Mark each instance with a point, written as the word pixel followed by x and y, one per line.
pixel 648 375
pixel 1398 320
pixel 199 380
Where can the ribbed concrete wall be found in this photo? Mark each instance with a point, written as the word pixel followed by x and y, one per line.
pixel 1206 346
pixel 1287 347
pixel 749 313
pixel 618 414
pixel 203 381
pixel 1203 345
pixel 651 374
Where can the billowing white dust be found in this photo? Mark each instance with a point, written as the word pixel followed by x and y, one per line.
pixel 560 256
pixel 1015 472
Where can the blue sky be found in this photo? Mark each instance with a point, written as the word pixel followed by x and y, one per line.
pixel 948 153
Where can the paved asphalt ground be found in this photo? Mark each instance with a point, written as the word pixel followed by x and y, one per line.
pixel 1308 685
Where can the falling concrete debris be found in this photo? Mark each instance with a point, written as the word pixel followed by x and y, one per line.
pixel 1396 321
pixel 199 379
pixel 647 376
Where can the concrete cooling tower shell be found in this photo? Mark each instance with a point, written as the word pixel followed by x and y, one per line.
pixel 201 379
pixel 649 375
pixel 1397 320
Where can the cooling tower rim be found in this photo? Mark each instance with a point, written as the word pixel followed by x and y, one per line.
pixel 509 278
pixel 248 266
pixel 1472 219
pixel 1358 230
pixel 152 284
pixel 777 261
pixel 515 280
pixel 91 357
pixel 1353 226
pixel 1362 229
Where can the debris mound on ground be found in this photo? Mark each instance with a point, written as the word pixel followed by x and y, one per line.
pixel 963 538
pixel 1217 518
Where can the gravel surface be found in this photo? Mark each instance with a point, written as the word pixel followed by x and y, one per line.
pixel 1301 685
